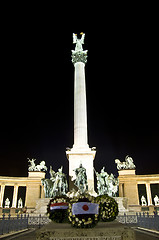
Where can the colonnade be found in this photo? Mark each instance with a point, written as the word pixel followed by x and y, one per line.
pixel 15 195
pixel 128 187
pixel 34 189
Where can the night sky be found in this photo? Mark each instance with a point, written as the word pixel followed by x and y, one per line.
pixel 36 94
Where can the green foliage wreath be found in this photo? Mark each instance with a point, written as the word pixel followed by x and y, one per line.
pixel 108 208
pixel 58 215
pixel 82 220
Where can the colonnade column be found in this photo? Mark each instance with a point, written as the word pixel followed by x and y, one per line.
pixel 121 189
pixel 15 196
pixel 2 195
pixel 149 197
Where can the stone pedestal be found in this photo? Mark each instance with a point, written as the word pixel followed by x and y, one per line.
pixel 36 174
pixel 126 172
pixel 122 204
pixel 86 157
pixel 41 206
pixel 34 190
pixel 128 186
pixel 103 231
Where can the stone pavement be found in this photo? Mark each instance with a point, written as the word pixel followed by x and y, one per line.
pixel 31 235
pixel 144 235
pixel 28 235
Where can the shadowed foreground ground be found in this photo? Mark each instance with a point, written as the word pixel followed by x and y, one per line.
pixel 31 235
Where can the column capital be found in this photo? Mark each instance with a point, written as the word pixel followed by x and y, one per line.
pixel 79 56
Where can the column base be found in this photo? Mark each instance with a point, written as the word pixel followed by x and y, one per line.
pixel 84 156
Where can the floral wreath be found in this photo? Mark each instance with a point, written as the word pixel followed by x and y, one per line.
pixel 57 209
pixel 82 220
pixel 108 208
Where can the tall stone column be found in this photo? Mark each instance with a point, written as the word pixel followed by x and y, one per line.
pixel 80 153
pixel 80 107
pixel 2 195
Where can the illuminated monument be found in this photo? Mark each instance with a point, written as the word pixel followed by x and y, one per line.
pixel 80 153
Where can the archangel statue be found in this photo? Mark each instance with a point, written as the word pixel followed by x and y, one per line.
pixel 128 164
pixel 78 55
pixel 81 179
pixel 78 41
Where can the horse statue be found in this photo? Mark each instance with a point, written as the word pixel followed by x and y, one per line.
pixel 41 167
pixel 37 168
pixel 128 164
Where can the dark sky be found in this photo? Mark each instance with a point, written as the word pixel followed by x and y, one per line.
pixel 36 94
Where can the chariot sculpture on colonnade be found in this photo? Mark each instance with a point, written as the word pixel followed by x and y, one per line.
pixel 127 164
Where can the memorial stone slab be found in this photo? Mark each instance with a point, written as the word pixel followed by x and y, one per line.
pixel 103 231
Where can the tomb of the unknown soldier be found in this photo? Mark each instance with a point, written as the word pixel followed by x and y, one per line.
pixel 70 205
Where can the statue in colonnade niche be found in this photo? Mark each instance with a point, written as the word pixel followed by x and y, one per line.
pixel 128 164
pixel 106 184
pixel 143 201
pixel 20 203
pixel 36 168
pixel 156 200
pixel 7 203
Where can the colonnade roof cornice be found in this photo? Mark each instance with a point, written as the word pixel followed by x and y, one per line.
pixel 13 181
pixel 147 182
pixel 140 178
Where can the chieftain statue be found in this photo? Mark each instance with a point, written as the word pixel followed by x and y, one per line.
pixel 106 184
pixel 81 179
pixel 60 186
pixel 57 184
